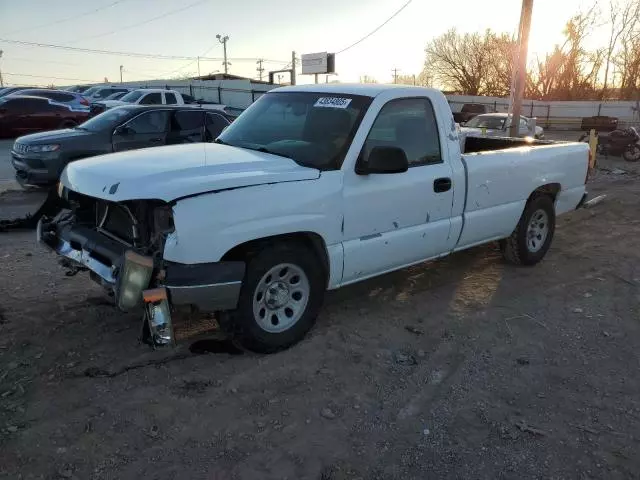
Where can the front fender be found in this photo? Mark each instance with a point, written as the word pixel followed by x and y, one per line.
pixel 207 226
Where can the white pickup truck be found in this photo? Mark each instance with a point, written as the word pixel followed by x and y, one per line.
pixel 310 189
pixel 154 96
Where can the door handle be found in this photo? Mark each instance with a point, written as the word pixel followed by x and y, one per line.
pixel 441 185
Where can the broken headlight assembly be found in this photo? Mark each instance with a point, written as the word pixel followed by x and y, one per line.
pixel 163 219
pixel 134 277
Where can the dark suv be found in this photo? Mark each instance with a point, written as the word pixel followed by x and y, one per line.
pixel 22 114
pixel 40 158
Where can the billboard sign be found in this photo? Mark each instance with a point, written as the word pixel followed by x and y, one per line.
pixel 318 63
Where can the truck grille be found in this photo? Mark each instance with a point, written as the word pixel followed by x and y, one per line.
pixel 115 221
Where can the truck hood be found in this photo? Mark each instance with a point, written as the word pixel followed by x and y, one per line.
pixel 168 173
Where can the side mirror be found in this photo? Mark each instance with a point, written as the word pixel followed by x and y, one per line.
pixel 122 130
pixel 384 160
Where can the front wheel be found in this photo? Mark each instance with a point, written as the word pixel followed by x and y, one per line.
pixel 279 301
pixel 531 239
pixel 632 154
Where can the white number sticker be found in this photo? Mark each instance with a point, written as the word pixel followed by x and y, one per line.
pixel 333 102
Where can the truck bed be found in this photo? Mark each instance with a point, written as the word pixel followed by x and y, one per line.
pixel 501 173
pixel 474 144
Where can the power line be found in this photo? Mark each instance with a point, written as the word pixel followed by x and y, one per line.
pixel 66 19
pixel 128 54
pixel 377 28
pixel 144 22
pixel 47 76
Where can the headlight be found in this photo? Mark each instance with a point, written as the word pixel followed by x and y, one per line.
pixel 133 279
pixel 43 148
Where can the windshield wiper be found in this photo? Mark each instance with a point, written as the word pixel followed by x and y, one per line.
pixel 266 150
pixel 221 142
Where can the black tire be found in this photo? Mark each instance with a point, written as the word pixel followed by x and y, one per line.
pixel 515 249
pixel 632 154
pixel 241 323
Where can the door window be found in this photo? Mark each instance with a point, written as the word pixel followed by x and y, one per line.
pixel 183 121
pixel 149 122
pixel 170 98
pixel 409 124
pixel 215 124
pixel 151 99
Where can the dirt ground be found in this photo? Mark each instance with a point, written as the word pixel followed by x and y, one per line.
pixel 461 368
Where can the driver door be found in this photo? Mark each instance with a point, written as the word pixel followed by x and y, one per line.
pixel 149 129
pixel 396 219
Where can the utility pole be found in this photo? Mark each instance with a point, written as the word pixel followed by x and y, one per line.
pixel 521 73
pixel 293 68
pixel 395 75
pixel 121 68
pixel 1 81
pixel 260 68
pixel 198 66
pixel 223 41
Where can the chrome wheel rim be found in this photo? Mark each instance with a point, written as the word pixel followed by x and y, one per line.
pixel 280 298
pixel 537 231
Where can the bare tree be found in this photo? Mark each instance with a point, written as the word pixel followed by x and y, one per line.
pixel 623 19
pixel 367 79
pixel 458 62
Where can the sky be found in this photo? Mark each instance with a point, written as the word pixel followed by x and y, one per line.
pixel 256 29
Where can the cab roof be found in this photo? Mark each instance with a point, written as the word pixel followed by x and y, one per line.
pixel 365 89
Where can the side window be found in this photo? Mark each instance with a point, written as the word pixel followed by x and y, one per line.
pixel 34 105
pixel 61 97
pixel 410 124
pixel 188 98
pixel 215 124
pixel 151 99
pixel 171 98
pixel 183 121
pixel 523 123
pixel 150 122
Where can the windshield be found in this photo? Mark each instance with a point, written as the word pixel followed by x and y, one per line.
pixel 106 120
pixel 486 121
pixel 90 91
pixel 133 96
pixel 313 129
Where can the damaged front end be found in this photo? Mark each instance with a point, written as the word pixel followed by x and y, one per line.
pixel 121 244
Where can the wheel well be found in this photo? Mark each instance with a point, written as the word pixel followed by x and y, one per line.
pixel 311 240
pixel 550 189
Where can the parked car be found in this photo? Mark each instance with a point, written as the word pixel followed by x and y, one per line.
pixel 39 158
pixel 468 111
pixel 498 124
pixel 147 96
pixel 9 90
pixel 117 95
pixel 23 114
pixel 101 92
pixel 78 88
pixel 74 100
pixel 312 188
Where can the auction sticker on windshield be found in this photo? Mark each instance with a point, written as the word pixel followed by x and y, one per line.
pixel 333 102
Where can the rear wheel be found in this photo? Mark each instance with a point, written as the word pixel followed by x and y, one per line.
pixel 632 154
pixel 281 296
pixel 531 239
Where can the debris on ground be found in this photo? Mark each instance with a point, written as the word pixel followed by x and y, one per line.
pixel 594 201
pixel 403 358
pixel 413 329
pixel 327 413
pixel 525 427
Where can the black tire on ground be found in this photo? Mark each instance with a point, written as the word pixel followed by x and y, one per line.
pixel 632 154
pixel 516 249
pixel 242 325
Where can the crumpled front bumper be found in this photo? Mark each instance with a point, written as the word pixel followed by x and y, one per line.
pixel 210 287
